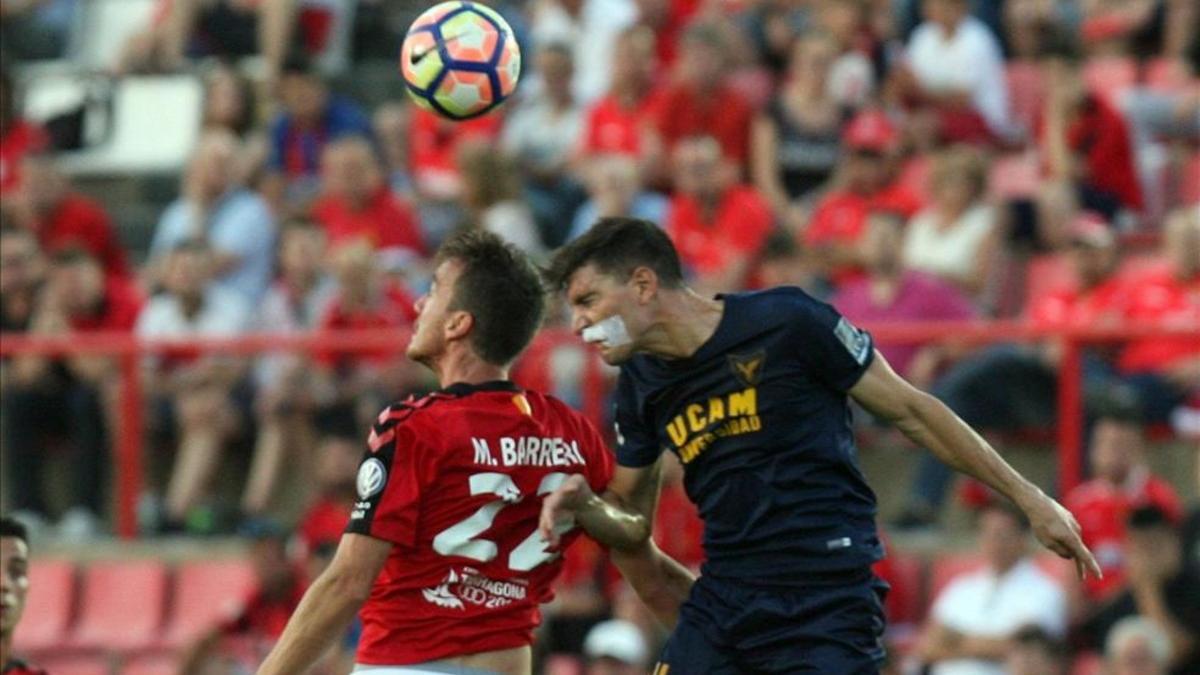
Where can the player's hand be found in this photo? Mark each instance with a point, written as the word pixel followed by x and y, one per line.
pixel 561 505
pixel 1058 531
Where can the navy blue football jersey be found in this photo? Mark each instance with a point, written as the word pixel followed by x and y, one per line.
pixel 760 419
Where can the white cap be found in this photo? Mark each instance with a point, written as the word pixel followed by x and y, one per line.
pixel 616 639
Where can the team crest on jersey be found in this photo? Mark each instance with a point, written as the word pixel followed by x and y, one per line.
pixel 371 477
pixel 748 367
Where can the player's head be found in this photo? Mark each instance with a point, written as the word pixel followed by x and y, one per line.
pixel 882 245
pixel 1003 534
pixel 486 298
pixel 1094 252
pixel 1034 652
pixel 1117 436
pixel 613 277
pixel 1153 537
pixel 1137 645
pixel 14 574
pixel 77 278
pixel 1181 242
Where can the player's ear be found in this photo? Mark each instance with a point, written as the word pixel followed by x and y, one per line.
pixel 458 324
pixel 645 283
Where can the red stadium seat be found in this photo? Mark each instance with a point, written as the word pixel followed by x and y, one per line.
pixel 946 568
pixel 79 664
pixel 903 604
pixel 152 664
pixel 49 608
pixel 205 593
pixel 122 607
pixel 1110 76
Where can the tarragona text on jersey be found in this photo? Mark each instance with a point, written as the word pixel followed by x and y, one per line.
pixel 455 481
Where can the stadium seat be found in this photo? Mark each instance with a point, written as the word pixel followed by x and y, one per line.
pixel 946 568
pixel 1111 76
pixel 156 121
pixel 204 593
pixel 48 609
pixel 152 664
pixel 79 664
pixel 122 605
pixel 107 27
pixel 903 604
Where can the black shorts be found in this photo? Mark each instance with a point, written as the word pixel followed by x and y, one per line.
pixel 736 628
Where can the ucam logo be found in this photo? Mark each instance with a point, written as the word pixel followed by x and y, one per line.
pixel 371 477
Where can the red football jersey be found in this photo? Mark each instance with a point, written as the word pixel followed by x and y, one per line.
pixel 455 481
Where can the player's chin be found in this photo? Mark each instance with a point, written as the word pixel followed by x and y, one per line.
pixel 615 356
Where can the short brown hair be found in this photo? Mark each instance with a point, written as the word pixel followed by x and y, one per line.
pixel 500 288
pixel 617 246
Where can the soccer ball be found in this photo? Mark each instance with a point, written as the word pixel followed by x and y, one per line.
pixel 460 59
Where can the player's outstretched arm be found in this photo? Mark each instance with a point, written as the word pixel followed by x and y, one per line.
pixel 928 422
pixel 622 518
pixel 329 605
pixel 661 582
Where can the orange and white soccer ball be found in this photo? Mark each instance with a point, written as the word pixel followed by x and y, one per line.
pixel 460 59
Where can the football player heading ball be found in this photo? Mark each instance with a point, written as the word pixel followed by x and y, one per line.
pixel 751 391
pixel 443 546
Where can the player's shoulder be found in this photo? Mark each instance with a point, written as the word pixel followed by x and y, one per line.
pixel 772 305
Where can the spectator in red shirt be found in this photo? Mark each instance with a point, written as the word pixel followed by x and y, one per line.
pixel 357 203
pixel 62 218
pixel 67 398
pixel 351 388
pixel 335 467
pixel 1015 386
pixel 700 102
pixel 1089 153
pixel 667 18
pixel 1121 481
pixel 618 122
pixel 18 137
pixel 1164 370
pixel 866 183
pixel 717 223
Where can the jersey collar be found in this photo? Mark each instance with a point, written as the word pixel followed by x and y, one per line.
pixel 466 389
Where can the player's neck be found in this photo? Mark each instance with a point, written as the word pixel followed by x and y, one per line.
pixel 685 321
pixel 462 366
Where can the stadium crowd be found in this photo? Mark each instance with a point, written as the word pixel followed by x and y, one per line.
pixel 904 160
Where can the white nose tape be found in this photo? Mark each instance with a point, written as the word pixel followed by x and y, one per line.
pixel 610 332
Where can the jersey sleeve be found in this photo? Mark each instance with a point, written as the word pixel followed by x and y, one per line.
pixel 836 351
pixel 388 485
pixel 636 445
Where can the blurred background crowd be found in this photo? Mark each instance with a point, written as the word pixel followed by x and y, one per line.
pixel 217 168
